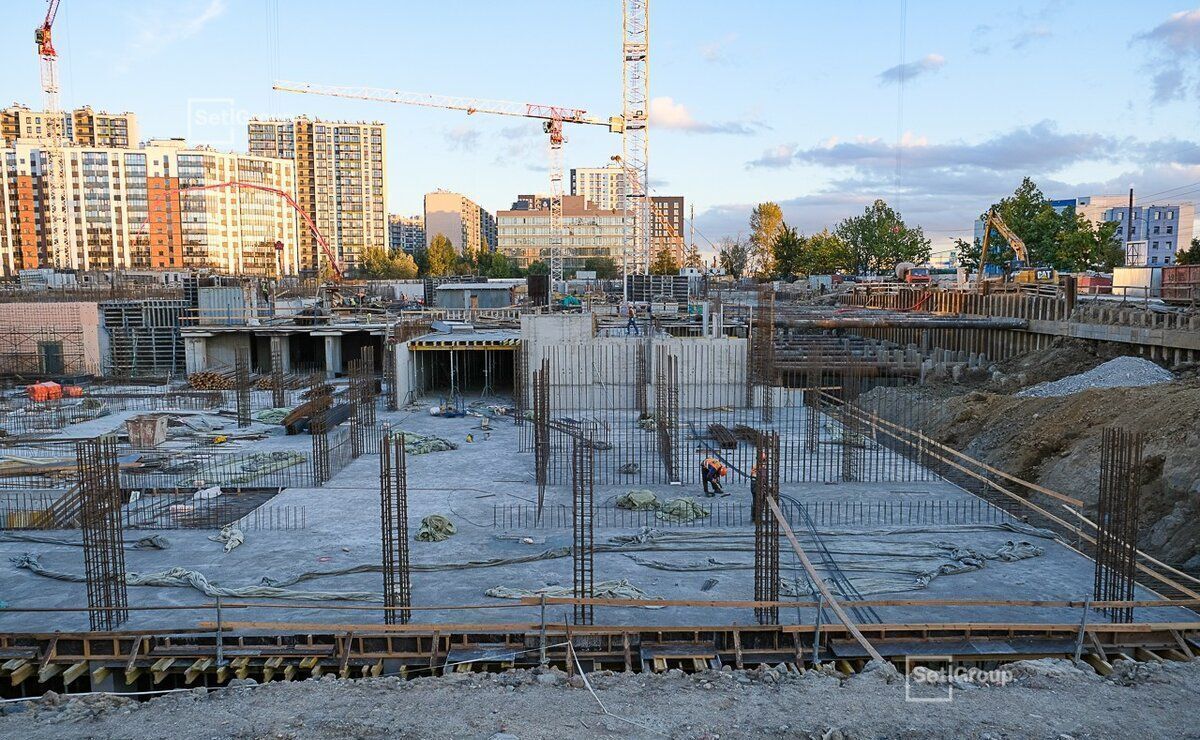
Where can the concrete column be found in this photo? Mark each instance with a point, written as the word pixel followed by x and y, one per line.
pixel 282 344
pixel 404 374
pixel 195 354
pixel 333 355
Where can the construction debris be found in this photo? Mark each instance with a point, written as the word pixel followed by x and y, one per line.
pixel 620 589
pixel 230 535
pixel 435 528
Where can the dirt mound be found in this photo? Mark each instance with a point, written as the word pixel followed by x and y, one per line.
pixel 1056 442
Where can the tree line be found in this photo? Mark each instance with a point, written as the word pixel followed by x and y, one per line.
pixel 873 242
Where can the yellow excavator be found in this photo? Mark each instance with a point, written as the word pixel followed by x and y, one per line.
pixel 1020 271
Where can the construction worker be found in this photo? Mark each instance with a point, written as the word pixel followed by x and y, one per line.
pixel 631 325
pixel 711 471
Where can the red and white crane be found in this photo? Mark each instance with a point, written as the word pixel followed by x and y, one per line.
pixel 552 116
pixel 56 209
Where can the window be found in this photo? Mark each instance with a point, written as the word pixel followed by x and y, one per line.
pixel 1156 229
pixel 1170 215
pixel 1155 245
pixel 1154 260
pixel 1170 229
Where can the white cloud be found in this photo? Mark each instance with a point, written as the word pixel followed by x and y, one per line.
pixel 714 52
pixel 904 72
pixel 1030 35
pixel 776 157
pixel 1180 33
pixel 463 138
pixel 159 25
pixel 666 113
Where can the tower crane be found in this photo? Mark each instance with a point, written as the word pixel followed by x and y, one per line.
pixel 635 143
pixel 56 210
pixel 552 116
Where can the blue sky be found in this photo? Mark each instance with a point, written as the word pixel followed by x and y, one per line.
pixel 797 102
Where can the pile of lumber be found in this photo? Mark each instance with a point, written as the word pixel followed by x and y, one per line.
pixel 207 380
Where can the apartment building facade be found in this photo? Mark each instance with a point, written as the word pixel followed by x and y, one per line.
pixel 524 232
pixel 128 212
pixel 470 227
pixel 341 181
pixel 666 224
pixel 406 233
pixel 603 187
pixel 1164 228
pixel 82 127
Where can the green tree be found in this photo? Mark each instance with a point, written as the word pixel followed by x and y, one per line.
pixel 441 256
pixel 1031 217
pixel 692 258
pixel 537 267
pixel 664 262
pixel 734 257
pixel 604 267
pixel 766 221
pixel 787 253
pixel 825 254
pixel 493 265
pixel 1078 245
pixel 378 263
pixel 1190 256
pixel 878 240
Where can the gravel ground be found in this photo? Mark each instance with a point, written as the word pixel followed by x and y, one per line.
pixel 1121 372
pixel 1045 699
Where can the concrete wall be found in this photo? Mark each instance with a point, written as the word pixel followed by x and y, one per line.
pixel 596 372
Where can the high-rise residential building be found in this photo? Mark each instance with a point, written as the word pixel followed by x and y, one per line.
pixel 666 224
pixel 82 126
pixel 130 213
pixel 341 181
pixel 406 233
pixel 603 187
pixel 524 231
pixel 468 225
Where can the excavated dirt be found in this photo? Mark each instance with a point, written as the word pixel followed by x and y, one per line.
pixel 1055 441
pixel 1045 699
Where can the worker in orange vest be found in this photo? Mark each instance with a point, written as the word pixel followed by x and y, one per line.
pixel 711 471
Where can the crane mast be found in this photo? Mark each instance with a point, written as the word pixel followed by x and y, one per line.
pixel 552 116
pixel 56 210
pixel 635 143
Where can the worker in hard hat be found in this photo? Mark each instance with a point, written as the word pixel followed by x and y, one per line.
pixel 711 471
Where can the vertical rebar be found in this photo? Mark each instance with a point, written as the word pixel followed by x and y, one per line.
pixel 1117 520
pixel 393 500
pixel 103 537
pixel 242 386
pixel 583 513
pixel 766 526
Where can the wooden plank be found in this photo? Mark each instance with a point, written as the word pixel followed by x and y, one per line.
pixel 1183 645
pixel 196 670
pixel 133 653
pixel 816 579
pixel 21 673
pixel 737 650
pixel 50 652
pixel 100 674
pixel 49 671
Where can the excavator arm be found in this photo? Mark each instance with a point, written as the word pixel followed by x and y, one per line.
pixel 1018 247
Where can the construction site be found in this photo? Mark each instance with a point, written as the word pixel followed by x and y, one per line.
pixel 665 505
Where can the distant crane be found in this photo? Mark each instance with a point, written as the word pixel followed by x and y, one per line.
pixel 56 210
pixel 552 116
